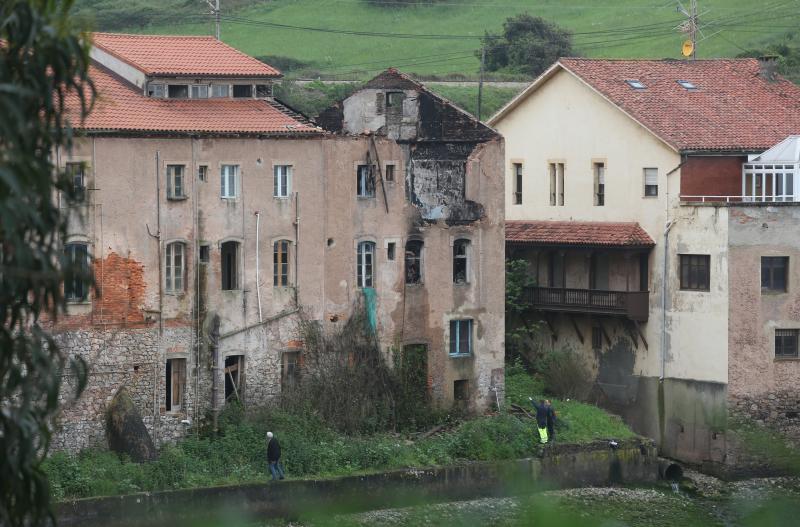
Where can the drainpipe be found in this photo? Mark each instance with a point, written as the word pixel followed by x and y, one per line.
pixel 296 243
pixel 258 282
pixel 667 228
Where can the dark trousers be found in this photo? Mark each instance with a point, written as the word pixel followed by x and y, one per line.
pixel 551 432
pixel 276 469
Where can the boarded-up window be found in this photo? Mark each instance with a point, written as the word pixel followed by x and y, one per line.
pixel 234 376
pixel 175 384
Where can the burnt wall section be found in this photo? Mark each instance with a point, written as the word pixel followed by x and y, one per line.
pixel 440 120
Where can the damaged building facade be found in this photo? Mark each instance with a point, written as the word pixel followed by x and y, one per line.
pixel 661 246
pixel 215 219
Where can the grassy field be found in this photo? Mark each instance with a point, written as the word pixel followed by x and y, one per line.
pixel 602 28
pixel 312 449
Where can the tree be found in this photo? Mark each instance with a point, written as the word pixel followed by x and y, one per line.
pixel 787 57
pixel 528 45
pixel 43 65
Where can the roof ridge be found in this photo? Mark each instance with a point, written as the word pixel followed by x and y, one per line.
pixel 142 35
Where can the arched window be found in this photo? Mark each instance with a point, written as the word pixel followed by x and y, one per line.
pixel 461 261
pixel 413 262
pixel 280 263
pixel 365 258
pixel 175 267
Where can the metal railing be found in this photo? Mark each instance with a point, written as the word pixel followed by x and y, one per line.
pixel 632 304
pixel 780 198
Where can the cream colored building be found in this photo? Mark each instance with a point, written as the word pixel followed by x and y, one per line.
pixel 598 151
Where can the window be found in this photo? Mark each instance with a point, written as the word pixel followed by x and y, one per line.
pixel 77 174
pixel 175 181
pixel 220 90
pixel 650 182
pixel 695 272
pixel 234 375
pixel 200 91
pixel 175 382
pixel 229 179
pixel 599 184
pixel 390 249
pixel 280 263
pixel 202 172
pixel 413 262
pixel 229 254
pixel 242 90
pixel 635 84
pixel 178 91
pixel 517 183
pixel 175 266
pixel 461 262
pixel 556 184
pixel 597 338
pixel 688 85
pixel 786 343
pixel 77 265
pixel 156 90
pixel 263 90
pixel 205 251
pixel 282 181
pixel 364 183
pixel 389 172
pixel 290 368
pixel 461 390
pixel 774 271
pixel 461 337
pixel 364 261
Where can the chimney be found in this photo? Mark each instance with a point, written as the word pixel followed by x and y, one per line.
pixel 768 67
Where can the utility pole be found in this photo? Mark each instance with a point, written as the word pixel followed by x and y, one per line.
pixel 480 81
pixel 214 5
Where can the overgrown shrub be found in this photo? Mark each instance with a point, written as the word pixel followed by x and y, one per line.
pixel 565 373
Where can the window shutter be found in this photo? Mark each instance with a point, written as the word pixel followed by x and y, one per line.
pixel 651 176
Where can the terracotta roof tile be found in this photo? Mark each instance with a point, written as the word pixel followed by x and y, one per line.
pixel 733 108
pixel 120 107
pixel 589 233
pixel 182 55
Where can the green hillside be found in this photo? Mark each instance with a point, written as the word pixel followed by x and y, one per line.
pixel 601 28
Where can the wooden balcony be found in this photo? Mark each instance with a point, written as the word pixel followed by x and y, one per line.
pixel 634 305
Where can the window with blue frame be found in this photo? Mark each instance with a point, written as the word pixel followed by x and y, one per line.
pixel 461 337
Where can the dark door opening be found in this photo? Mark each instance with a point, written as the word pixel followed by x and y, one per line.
pixel 234 374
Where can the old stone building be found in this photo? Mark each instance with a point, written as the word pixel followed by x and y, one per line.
pixel 658 250
pixel 215 217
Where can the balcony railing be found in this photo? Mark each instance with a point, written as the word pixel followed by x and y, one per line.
pixel 631 304
pixel 774 198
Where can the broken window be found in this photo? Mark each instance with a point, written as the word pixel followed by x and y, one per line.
pixel 461 337
pixel 234 375
pixel 394 99
pixel 156 90
pixel 242 90
pixel 76 286
pixel 773 273
pixel 282 181
pixel 597 338
pixel 364 183
pixel 389 172
pixel 650 182
pixel 229 254
pixel 290 369
pixel 599 184
pixel 263 90
pixel 175 382
pixel 517 183
pixel 202 172
pixel 694 272
pixel 200 91
pixel 556 184
pixel 205 251
pixel 229 181
pixel 220 90
pixel 413 262
pixel 461 390
pixel 175 266
pixel 786 343
pixel 178 91
pixel 461 261
pixel 77 175
pixel 364 262
pixel 390 248
pixel 175 182
pixel 280 263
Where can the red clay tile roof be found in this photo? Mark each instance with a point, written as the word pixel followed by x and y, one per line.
pixel 731 109
pixel 121 107
pixel 182 55
pixel 589 233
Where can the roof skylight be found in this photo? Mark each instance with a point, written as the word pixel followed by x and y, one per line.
pixel 688 85
pixel 635 84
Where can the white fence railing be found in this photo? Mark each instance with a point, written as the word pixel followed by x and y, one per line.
pixel 781 198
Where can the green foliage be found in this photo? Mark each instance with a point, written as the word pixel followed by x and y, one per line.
pixel 43 62
pixel 528 45
pixel 766 444
pixel 522 331
pixel 466 97
pixel 787 54
pixel 564 372
pixel 312 98
pixel 112 15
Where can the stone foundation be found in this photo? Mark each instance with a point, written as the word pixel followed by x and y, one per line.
pixel 778 410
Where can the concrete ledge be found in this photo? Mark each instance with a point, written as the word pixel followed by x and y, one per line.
pixel 560 466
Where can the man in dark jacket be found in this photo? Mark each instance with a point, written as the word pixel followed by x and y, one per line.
pixel 274 457
pixel 545 419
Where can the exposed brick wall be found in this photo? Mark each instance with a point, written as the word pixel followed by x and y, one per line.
pixel 712 176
